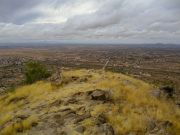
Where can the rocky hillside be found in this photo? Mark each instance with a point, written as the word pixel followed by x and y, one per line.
pixel 89 102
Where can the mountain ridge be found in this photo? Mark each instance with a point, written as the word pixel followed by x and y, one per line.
pixel 89 102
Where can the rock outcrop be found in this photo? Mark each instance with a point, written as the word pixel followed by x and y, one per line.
pixel 70 121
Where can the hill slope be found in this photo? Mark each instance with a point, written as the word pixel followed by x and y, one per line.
pixel 89 102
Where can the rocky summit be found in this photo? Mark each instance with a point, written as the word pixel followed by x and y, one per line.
pixel 89 102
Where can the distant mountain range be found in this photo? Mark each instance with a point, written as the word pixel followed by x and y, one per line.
pixel 43 44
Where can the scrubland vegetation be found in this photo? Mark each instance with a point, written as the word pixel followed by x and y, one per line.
pixel 35 71
pixel 132 107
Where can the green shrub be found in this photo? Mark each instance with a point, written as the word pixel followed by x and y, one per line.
pixel 35 71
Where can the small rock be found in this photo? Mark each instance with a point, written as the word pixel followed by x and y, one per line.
pixel 56 78
pixel 2 90
pixel 151 126
pixel 127 82
pixel 56 103
pixel 83 80
pixel 132 133
pixel 108 129
pixel 59 119
pixel 80 129
pixel 20 129
pixel 22 117
pixel 74 78
pixel 66 109
pixel 156 93
pixel 166 124
pixel 68 113
pixel 82 117
pixel 16 99
pixel 70 100
pixel 155 130
pixel 101 119
pixel 34 124
pixel 63 133
pixel 57 116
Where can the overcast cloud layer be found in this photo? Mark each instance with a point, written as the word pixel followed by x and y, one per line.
pixel 126 21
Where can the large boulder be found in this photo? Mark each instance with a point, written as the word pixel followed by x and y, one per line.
pixel 101 95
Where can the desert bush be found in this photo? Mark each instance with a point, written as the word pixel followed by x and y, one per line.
pixel 35 71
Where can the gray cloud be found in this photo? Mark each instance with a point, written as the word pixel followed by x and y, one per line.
pixel 123 20
pixel 15 11
pixel 22 11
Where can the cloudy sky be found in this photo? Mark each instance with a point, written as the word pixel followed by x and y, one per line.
pixel 124 21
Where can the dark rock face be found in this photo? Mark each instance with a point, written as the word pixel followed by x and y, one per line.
pixel 169 91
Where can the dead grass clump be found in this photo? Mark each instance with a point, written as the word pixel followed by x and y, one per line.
pixel 21 126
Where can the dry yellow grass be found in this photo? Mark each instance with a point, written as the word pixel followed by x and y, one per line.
pixel 133 110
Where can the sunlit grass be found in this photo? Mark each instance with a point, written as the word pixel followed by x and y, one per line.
pixel 22 125
pixel 133 102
